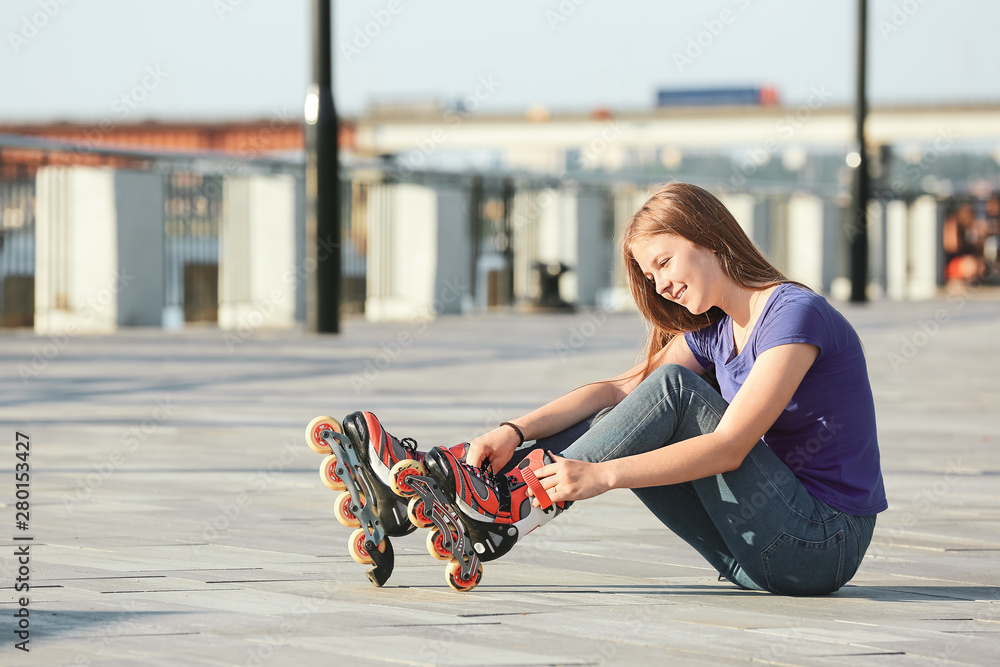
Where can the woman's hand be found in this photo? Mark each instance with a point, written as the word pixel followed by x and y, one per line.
pixel 498 446
pixel 568 479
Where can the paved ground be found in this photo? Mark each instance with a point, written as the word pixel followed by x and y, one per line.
pixel 177 517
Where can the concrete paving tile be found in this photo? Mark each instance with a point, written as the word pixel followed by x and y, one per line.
pixel 270 581
pixel 466 648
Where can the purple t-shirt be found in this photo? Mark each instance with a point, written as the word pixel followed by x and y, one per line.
pixel 826 434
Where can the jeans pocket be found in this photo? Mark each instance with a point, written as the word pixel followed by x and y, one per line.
pixel 794 566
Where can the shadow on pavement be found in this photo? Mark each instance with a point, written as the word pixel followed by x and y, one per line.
pixel 882 593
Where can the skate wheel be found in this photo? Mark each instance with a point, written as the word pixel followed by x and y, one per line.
pixel 356 545
pixel 435 545
pixel 400 471
pixel 317 426
pixel 343 510
pixel 417 513
pixel 453 574
pixel 328 473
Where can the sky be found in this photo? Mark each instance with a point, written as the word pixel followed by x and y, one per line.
pixel 128 60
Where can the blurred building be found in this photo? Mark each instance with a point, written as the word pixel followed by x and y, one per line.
pixel 243 139
pixel 449 211
pixel 935 149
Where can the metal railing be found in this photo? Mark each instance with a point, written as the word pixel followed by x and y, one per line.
pixel 17 253
pixel 193 195
pixel 193 208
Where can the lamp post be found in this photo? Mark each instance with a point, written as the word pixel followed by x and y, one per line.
pixel 322 182
pixel 862 188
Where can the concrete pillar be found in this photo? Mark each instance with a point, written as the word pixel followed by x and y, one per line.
pixel 452 281
pixel 742 207
pixel 402 253
pixel 98 250
pixel 525 212
pixel 833 246
pixel 805 240
pixel 896 250
pixel 771 230
pixel 876 250
pixel 257 273
pixel 139 203
pixel 594 251
pixel 628 199
pixel 301 273
pixel 557 237
pixel 924 244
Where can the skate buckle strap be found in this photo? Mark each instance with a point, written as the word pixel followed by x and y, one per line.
pixel 536 488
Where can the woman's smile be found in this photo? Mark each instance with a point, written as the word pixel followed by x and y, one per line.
pixel 669 262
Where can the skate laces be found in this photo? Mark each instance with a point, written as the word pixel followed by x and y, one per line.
pixel 485 474
pixel 409 444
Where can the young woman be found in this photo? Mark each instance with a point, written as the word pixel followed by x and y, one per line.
pixel 776 481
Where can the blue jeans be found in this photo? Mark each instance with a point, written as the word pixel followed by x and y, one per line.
pixel 757 525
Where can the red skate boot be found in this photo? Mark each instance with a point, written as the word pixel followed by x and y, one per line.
pixel 477 516
pixel 372 468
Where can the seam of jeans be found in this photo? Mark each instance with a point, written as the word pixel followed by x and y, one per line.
pixel 689 489
pixel 857 533
pixel 777 491
pixel 843 560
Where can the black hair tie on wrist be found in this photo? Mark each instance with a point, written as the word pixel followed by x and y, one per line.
pixel 516 430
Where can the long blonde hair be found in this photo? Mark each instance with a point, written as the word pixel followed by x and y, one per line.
pixel 695 214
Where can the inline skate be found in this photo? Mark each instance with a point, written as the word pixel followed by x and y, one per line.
pixel 475 515
pixel 372 469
